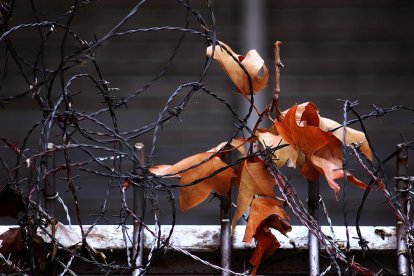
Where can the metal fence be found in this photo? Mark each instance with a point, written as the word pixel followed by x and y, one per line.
pixel 191 240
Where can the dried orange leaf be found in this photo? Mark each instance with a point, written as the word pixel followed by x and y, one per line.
pixel 328 161
pixel 322 149
pixel 326 124
pixel 265 247
pixel 269 139
pixel 161 170
pixel 252 63
pixel 191 196
pixel 236 143
pixel 254 179
pixel 352 135
pixel 266 212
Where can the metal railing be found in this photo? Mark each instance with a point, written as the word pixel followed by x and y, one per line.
pixel 227 243
pixel 403 192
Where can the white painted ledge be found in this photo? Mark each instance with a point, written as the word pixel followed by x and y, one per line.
pixel 207 237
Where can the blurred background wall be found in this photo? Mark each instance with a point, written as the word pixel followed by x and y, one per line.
pixel 356 50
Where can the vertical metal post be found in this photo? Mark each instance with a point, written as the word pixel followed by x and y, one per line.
pixel 138 208
pixel 313 242
pixel 253 34
pixel 50 193
pixel 225 234
pixel 403 195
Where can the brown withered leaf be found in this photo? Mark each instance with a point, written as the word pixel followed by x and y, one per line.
pixel 191 196
pixel 252 62
pixel 265 213
pixel 269 139
pixel 352 135
pixel 11 202
pixel 326 124
pixel 254 179
pixel 236 143
pixel 265 247
pixel 12 244
pixel 322 150
pixel 12 241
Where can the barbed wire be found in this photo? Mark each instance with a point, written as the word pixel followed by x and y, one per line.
pixel 107 149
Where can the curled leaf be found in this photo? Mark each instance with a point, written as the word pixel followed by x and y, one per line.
pixel 252 63
pixel 328 125
pixel 12 241
pixel 254 179
pixel 321 149
pixel 265 213
pixel 265 247
pixel 206 171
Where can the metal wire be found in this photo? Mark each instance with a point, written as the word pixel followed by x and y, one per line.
pixel 107 149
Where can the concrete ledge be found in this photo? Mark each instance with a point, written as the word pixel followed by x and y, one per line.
pixel 207 237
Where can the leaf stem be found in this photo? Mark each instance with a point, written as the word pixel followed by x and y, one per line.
pixel 274 105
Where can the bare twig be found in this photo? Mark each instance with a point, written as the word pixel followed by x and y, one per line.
pixel 276 90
